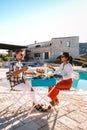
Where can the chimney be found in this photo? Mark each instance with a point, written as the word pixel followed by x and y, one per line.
pixel 35 42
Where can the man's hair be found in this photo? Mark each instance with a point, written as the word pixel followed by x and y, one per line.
pixel 19 50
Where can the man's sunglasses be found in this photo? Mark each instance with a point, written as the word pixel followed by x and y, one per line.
pixel 21 54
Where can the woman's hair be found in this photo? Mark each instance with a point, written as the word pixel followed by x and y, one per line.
pixel 69 58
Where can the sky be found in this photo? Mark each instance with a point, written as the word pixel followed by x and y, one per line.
pixel 24 21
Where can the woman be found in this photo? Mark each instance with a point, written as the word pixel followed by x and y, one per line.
pixel 66 71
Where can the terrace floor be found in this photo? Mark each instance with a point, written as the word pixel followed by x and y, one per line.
pixel 71 113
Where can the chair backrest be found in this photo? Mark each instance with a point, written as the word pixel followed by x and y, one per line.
pixel 8 75
pixel 75 75
pixel 76 78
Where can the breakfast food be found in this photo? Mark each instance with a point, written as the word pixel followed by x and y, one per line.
pixel 40 70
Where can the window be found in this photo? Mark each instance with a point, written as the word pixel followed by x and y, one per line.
pixel 61 42
pixel 68 44
pixel 37 55
pixel 46 55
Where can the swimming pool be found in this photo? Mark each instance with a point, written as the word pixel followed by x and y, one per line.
pixel 82 83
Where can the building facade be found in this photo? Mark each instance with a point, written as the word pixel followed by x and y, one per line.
pixel 50 50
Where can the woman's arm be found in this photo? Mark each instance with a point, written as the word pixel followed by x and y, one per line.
pixel 67 72
pixel 57 70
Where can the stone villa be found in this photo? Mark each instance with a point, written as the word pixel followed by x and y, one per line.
pixel 50 50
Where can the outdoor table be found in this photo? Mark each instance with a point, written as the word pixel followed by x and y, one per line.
pixel 36 81
pixel 43 81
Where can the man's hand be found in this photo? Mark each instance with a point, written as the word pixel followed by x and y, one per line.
pixel 15 73
pixel 32 73
pixel 29 73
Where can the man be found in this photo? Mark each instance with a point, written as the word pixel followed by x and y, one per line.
pixel 16 79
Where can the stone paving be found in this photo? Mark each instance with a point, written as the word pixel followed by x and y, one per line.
pixel 71 113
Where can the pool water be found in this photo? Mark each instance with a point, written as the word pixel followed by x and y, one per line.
pixel 82 83
pixel 83 75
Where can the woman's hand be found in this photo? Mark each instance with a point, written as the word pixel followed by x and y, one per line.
pixel 50 67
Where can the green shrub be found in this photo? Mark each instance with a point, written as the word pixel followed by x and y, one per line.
pixel 57 61
pixel 79 62
pixel 84 65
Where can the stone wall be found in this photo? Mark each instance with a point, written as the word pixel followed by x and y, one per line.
pixel 66 44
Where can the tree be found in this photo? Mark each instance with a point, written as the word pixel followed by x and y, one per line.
pixel 5 58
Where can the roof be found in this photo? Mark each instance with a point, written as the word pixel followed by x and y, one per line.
pixel 38 43
pixel 82 42
pixel 11 47
pixel 66 37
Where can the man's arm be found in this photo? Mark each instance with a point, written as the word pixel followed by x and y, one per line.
pixel 15 73
pixel 29 73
